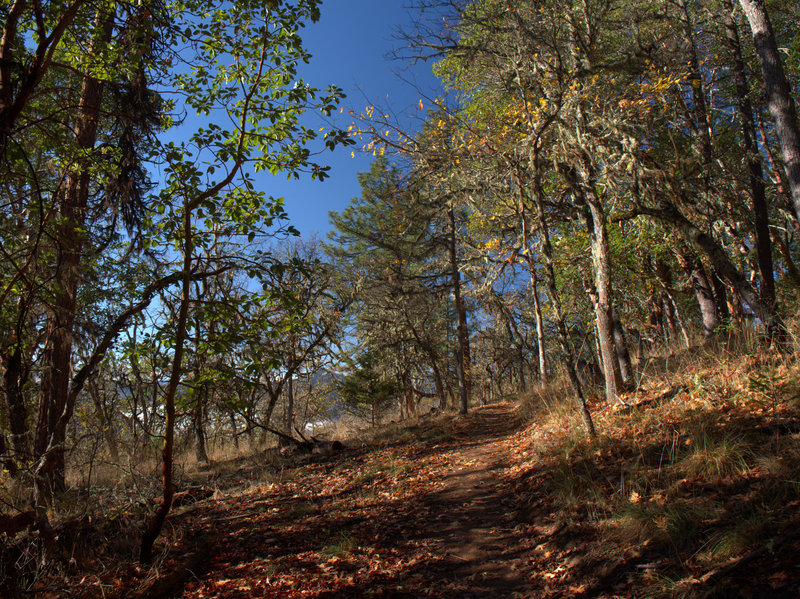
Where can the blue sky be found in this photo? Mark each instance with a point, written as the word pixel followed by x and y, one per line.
pixel 349 46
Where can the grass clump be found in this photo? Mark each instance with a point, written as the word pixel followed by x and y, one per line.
pixel 677 525
pixel 730 541
pixel 341 545
pixel 715 456
pixel 695 473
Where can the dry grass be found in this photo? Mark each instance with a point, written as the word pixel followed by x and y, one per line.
pixel 699 471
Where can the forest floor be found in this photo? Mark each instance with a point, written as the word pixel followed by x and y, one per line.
pixel 691 492
pixel 427 514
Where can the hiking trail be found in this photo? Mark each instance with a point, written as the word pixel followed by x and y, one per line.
pixel 431 517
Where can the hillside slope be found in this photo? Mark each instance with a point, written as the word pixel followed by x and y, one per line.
pixel 685 494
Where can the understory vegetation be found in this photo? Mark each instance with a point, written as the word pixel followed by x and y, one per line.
pixel 694 481
pixel 686 492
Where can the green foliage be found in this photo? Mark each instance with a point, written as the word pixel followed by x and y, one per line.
pixel 387 251
pixel 367 390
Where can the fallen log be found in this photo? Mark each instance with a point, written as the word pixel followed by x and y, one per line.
pixel 313 445
pixel 327 447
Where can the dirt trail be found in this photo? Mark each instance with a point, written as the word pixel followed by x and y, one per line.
pixel 427 518
pixel 470 513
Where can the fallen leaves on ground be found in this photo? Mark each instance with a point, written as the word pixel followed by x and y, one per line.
pixel 489 506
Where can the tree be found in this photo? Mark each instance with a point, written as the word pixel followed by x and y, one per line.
pixel 388 246
pixel 781 104
pixel 296 329
pixel 245 62
pixel 365 390
pixel 64 215
pixel 77 200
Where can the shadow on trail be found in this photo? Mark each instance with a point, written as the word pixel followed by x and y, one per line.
pixel 454 539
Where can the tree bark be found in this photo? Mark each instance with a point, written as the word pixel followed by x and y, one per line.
pixel 234 434
pixel 621 347
pixel 720 296
pixel 462 334
pixel 601 267
pixel 528 253
pixel 757 191
pixel 540 339
pixel 437 381
pixel 167 451
pixel 14 376
pixel 671 326
pixel 656 318
pixel 289 415
pixel 670 307
pixel 199 426
pixel 70 237
pixel 779 95
pixel 409 402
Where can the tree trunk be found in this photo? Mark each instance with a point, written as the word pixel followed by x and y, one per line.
pixel 289 414
pixel 779 95
pixel 528 253
pixel 540 338
pixel 274 396
pixel 234 435
pixel 167 488
pixel 621 347
pixel 758 195
pixel 408 394
pixel 601 266
pixel 670 324
pixel 14 377
pixel 656 318
pixel 437 381
pixel 290 404
pixel 462 351
pixel 669 307
pixel 566 348
pixel 199 426
pixel 249 412
pixel 638 341
pixel 721 296
pixel 70 237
